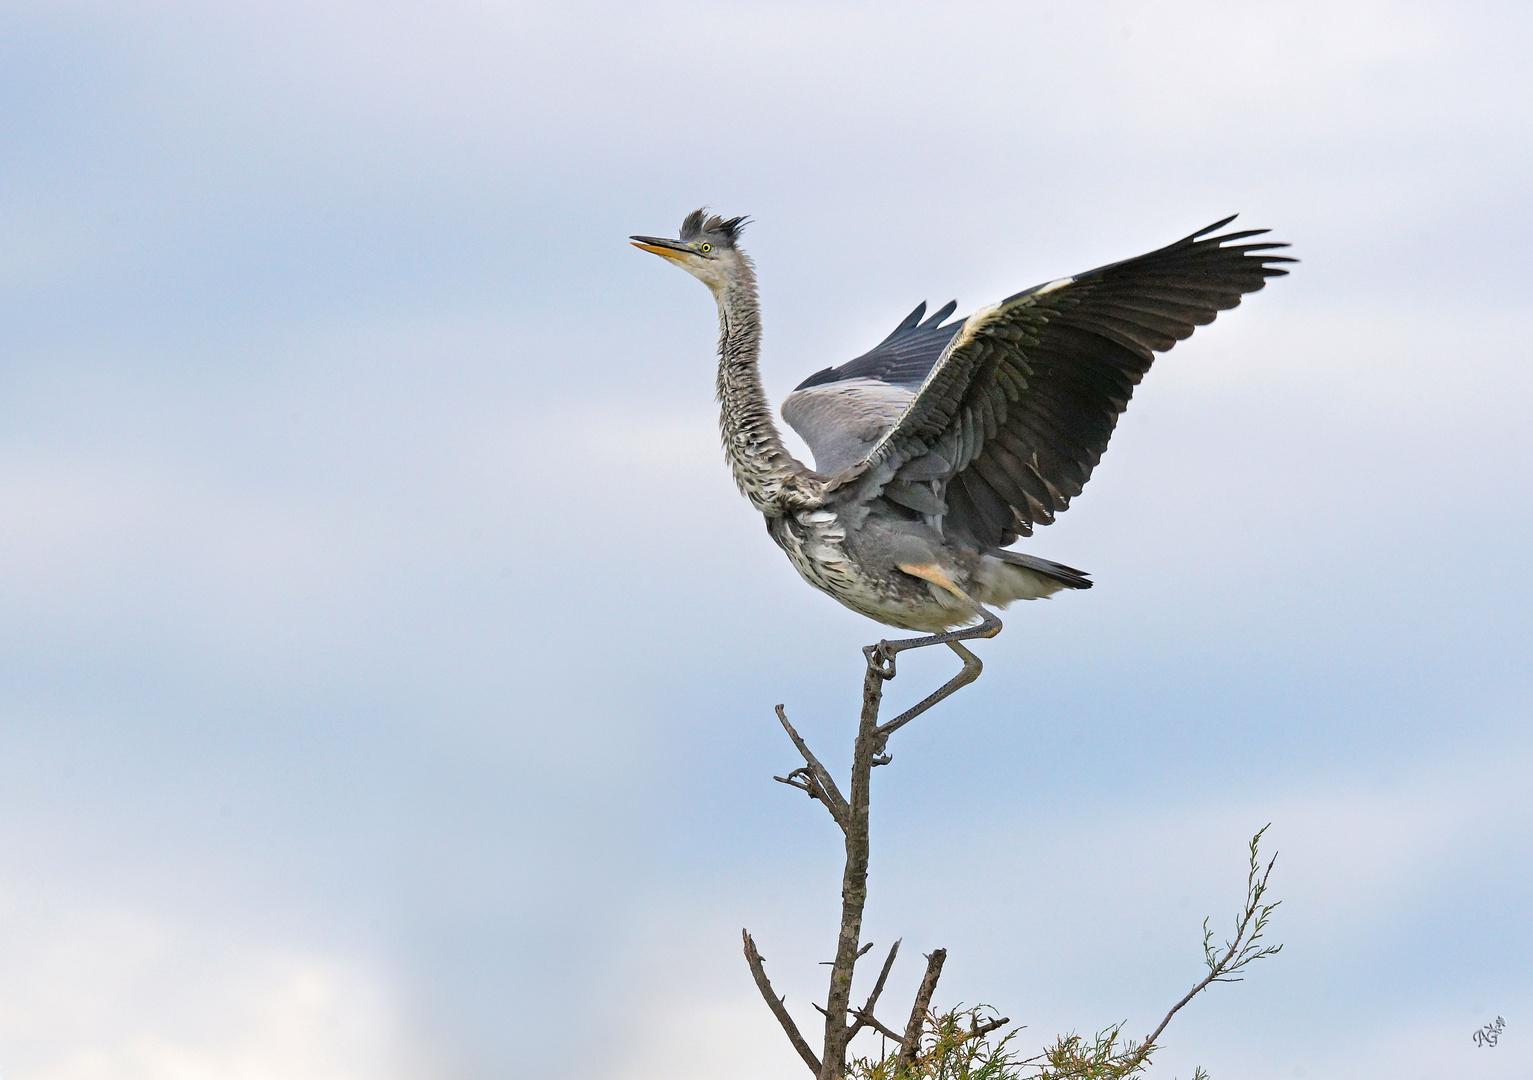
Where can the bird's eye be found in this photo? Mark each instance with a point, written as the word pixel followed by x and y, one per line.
pixel 705 248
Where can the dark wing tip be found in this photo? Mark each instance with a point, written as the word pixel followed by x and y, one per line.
pixel 1241 235
pixel 942 313
pixel 909 323
pixel 1216 225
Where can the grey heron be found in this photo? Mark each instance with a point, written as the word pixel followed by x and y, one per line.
pixel 950 440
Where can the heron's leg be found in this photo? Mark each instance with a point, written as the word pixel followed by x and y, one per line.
pixel 971 669
pixel 884 652
pixel 881 656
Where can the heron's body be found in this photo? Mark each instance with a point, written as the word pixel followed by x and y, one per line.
pixel 946 443
pixel 859 566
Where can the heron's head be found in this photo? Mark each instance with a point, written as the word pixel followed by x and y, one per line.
pixel 706 248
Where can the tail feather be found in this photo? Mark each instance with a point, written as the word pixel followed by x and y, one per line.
pixel 1067 576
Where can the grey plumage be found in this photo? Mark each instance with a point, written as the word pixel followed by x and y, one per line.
pixel 904 357
pixel 948 441
pixel 724 232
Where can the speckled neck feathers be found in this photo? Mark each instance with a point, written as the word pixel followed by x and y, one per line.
pixel 771 478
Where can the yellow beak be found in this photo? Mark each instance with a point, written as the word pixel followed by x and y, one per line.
pixel 670 249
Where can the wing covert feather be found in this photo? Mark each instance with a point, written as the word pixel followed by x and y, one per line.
pixel 842 412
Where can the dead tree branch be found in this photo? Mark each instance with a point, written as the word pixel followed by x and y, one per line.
pixel 865 1019
pixel 842 1019
pixel 981 1030
pixel 912 1041
pixel 775 1003
pixel 865 1016
pixel 814 779
pixel 1107 1056
pixel 854 881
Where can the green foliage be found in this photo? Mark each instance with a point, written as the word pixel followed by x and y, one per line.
pixel 1249 924
pixel 956 1046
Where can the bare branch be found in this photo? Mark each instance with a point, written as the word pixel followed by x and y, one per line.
pixel 806 782
pixel 866 1019
pixel 912 1041
pixel 987 1027
pixel 817 781
pixel 865 1016
pixel 775 1003
pixel 851 814
pixel 801 779
pixel 1106 1056
pixel 883 976
pixel 854 882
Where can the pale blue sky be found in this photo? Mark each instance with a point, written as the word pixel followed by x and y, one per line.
pixel 388 663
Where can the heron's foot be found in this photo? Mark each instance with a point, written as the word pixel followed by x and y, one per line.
pixel 881 658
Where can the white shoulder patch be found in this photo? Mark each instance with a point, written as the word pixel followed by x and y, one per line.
pixel 1051 286
pixel 970 326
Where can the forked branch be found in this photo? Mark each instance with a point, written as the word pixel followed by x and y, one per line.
pixel 864 1016
pixel 814 779
pixel 842 1019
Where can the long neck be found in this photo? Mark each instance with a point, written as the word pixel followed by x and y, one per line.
pixel 767 475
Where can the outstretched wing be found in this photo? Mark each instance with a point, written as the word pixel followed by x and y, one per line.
pixel 842 412
pixel 1010 421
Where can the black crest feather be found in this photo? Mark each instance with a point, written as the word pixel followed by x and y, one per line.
pixel 699 222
